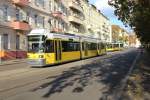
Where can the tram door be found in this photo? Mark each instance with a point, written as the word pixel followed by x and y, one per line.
pixel 86 48
pixel 58 50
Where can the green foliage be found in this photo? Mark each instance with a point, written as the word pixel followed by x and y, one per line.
pixel 135 13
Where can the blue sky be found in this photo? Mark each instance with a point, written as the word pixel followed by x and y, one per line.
pixel 107 11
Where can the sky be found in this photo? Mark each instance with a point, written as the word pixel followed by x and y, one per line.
pixel 108 11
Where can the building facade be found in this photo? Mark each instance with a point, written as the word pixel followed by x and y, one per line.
pixel 125 38
pixel 76 17
pixel 96 24
pixel 134 41
pixel 13 29
pixel 19 17
pixel 120 35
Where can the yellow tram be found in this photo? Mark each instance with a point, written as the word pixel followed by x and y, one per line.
pixel 114 47
pixel 46 48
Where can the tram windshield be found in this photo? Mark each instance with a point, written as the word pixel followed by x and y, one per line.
pixel 36 43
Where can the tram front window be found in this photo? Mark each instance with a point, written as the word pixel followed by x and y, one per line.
pixel 36 44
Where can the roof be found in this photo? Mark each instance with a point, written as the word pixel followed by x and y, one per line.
pixel 63 36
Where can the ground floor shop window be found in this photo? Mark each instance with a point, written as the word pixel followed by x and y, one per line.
pixel 5 41
pixel 17 42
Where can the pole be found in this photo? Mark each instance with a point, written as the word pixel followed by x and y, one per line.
pixel 0 49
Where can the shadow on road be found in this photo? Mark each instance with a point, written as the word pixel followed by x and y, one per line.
pixel 108 72
pixel 145 70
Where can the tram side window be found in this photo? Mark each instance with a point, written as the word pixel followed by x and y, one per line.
pixel 77 46
pixel 70 46
pixel 87 46
pixel 102 46
pixel 49 46
pixel 109 45
pixel 64 46
pixel 116 45
pixel 93 46
pixel 121 45
pixel 83 47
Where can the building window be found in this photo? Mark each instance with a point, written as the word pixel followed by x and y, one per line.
pixel 54 23
pixel 60 7
pixel 27 17
pixel 50 23
pixel 35 20
pixel 43 3
pixel 64 9
pixel 40 3
pixel 50 6
pixel 36 2
pixel 40 22
pixel 1 15
pixel 55 6
pixel 59 24
pixel 63 25
pixel 17 42
pixel 5 13
pixel 17 14
pixel 43 22
pixel 21 15
pixel 5 41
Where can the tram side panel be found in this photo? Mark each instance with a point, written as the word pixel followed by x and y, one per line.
pixel 89 49
pixel 92 49
pixel 102 48
pixel 70 50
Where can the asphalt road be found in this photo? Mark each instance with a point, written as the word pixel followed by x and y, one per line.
pixel 97 78
pixel 14 65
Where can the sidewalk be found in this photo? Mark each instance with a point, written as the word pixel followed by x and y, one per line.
pixel 138 85
pixel 10 62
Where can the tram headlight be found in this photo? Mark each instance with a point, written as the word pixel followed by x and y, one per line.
pixel 41 56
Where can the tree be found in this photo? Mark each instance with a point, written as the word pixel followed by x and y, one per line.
pixel 135 13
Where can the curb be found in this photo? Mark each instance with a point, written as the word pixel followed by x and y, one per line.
pixel 12 62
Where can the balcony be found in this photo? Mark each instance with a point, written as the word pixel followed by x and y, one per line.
pixel 4 23
pixel 18 25
pixel 75 19
pixel 58 0
pixel 57 30
pixel 57 14
pixel 75 6
pixel 21 2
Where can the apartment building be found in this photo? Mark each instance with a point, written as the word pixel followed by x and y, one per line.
pixel 116 33
pixel 125 38
pixel 13 29
pixel 19 17
pixel 48 14
pixel 96 24
pixel 106 32
pixel 134 41
pixel 76 17
pixel 120 35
